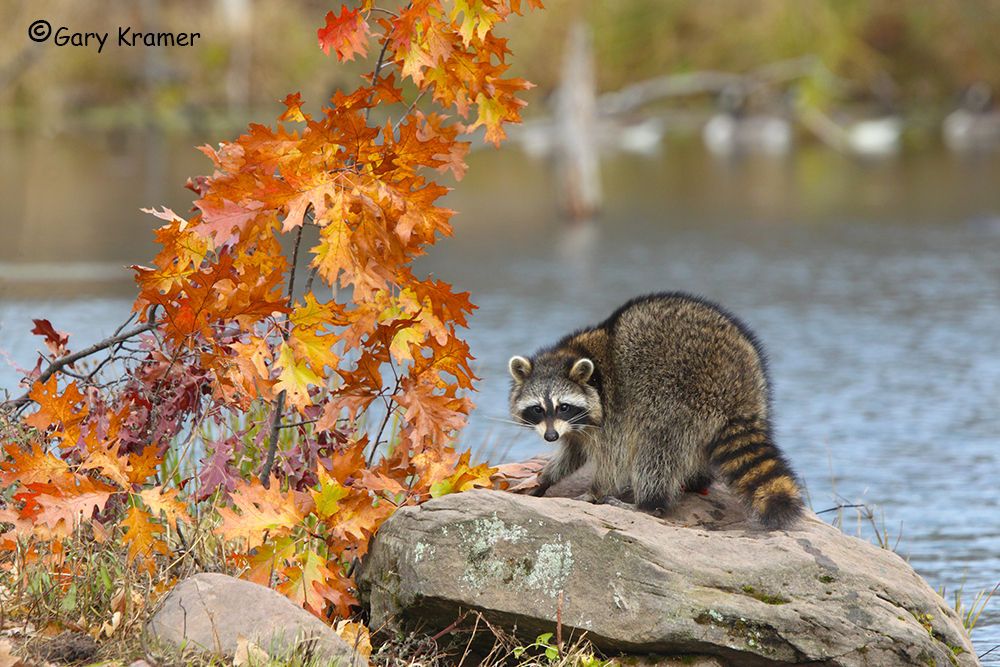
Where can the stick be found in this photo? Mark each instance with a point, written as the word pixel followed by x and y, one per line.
pixel 61 362
pixel 559 605
pixel 279 405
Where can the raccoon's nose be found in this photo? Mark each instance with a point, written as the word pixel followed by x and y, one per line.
pixel 551 435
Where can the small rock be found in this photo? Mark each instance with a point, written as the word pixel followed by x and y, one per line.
pixel 139 663
pixel 701 580
pixel 213 612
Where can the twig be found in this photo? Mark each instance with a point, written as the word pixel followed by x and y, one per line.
pixel 381 57
pixel 385 11
pixel 378 68
pixel 559 606
pixel 409 109
pixel 472 636
pixel 451 627
pixel 300 423
pixel 843 507
pixel 58 364
pixel 389 411
pixel 279 404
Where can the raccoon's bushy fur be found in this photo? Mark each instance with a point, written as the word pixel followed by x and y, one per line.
pixel 668 393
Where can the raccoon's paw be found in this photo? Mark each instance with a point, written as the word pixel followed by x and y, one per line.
pixel 539 490
pixel 605 500
pixel 617 502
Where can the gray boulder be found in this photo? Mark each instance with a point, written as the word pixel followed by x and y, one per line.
pixel 699 581
pixel 211 612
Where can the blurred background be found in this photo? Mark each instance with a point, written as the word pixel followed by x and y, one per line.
pixel 830 171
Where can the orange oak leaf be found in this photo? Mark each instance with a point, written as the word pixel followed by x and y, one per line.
pixel 432 415
pixel 261 510
pixel 433 465
pixel 32 465
pixel 345 463
pixel 346 34
pixel 142 536
pixel 381 483
pixel 58 510
pixel 65 411
pixel 357 518
pixel 103 457
pixel 143 465
pixel 161 500
pixel 293 111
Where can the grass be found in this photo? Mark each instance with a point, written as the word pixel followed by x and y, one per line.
pixel 93 610
pixel 970 614
pixel 766 598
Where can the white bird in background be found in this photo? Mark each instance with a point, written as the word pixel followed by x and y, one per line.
pixel 734 129
pixel 975 126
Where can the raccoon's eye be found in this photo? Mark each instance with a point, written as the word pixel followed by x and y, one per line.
pixel 534 414
pixel 564 408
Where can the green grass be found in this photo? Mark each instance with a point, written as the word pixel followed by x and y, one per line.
pixel 970 613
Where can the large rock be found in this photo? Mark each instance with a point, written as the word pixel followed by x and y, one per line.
pixel 699 581
pixel 212 612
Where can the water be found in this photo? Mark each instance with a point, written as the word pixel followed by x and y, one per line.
pixel 874 287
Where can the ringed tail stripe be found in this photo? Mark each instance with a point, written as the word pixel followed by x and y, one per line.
pixel 737 427
pixel 732 438
pixel 757 473
pixel 780 488
pixel 745 460
pixel 739 446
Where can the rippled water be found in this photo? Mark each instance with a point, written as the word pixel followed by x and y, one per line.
pixel 875 289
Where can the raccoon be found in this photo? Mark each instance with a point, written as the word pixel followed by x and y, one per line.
pixel 668 393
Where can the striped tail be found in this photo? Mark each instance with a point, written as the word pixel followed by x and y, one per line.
pixel 744 455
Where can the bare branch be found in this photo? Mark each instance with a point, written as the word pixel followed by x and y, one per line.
pixel 60 363
pixel 279 404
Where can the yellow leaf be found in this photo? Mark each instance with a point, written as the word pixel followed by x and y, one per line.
pixel 491 115
pixel 335 253
pixel 357 637
pixel 307 584
pixel 142 535
pixel 295 378
pixel 104 458
pixel 159 499
pixel 315 349
pixel 328 496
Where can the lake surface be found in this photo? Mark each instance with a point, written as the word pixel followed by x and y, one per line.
pixel 875 289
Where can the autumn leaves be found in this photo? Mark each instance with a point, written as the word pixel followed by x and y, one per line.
pixel 316 416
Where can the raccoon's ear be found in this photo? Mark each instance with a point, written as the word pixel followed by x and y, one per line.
pixel 582 370
pixel 519 367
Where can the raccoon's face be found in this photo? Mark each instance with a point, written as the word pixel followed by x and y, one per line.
pixel 551 394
